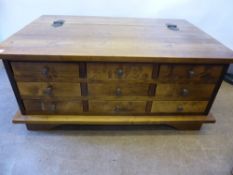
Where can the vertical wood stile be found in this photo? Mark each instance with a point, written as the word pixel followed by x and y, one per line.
pixel 83 84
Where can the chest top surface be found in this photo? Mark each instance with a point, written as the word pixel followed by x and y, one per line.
pixel 72 38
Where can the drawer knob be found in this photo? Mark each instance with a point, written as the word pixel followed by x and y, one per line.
pixel 51 107
pixel 180 108
pixel 120 72
pixel 48 91
pixel 45 71
pixel 118 91
pixel 42 105
pixel 117 108
pixel 191 73
pixel 184 92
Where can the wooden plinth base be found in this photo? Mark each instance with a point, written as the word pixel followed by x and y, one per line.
pixel 46 122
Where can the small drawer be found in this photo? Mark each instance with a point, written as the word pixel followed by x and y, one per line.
pixel 179 106
pixel 184 91
pixel 118 89
pixel 42 89
pixel 45 71
pixel 189 72
pixel 115 107
pixel 120 71
pixel 53 107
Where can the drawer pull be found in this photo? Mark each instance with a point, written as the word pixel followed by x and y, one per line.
pixel 184 92
pixel 120 72
pixel 48 91
pixel 117 108
pixel 45 71
pixel 191 73
pixel 180 108
pixel 118 91
pixel 52 107
pixel 42 106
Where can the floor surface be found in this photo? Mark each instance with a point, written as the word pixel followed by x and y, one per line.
pixel 155 151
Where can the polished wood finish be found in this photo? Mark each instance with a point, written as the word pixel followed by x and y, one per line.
pixel 114 39
pixel 10 74
pixel 116 107
pixel 189 72
pixel 53 107
pixel 45 71
pixel 179 106
pixel 108 119
pixel 51 89
pixel 218 84
pixel 118 89
pixel 184 91
pixel 119 71
pixel 93 70
pixel 39 122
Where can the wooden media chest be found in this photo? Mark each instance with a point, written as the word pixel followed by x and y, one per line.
pixel 114 71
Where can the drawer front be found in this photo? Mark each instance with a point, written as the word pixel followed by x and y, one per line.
pixel 118 89
pixel 179 106
pixel 42 89
pixel 120 71
pixel 30 71
pixel 53 107
pixel 184 91
pixel 115 107
pixel 194 73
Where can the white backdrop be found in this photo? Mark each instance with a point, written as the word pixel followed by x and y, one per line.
pixel 213 16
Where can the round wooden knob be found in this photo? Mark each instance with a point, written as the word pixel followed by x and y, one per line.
pixel 42 106
pixel 180 108
pixel 53 107
pixel 45 71
pixel 118 91
pixel 48 91
pixel 117 108
pixel 184 92
pixel 120 72
pixel 191 73
pixel 48 107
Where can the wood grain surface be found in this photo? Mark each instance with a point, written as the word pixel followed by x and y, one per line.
pixel 110 119
pixel 175 91
pixel 45 71
pixel 102 70
pixel 180 73
pixel 113 39
pixel 53 106
pixel 110 71
pixel 51 89
pixel 116 107
pixel 118 89
pixel 179 106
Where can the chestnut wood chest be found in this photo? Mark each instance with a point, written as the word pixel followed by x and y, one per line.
pixel 98 70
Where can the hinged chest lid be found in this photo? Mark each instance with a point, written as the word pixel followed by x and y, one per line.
pixel 72 38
